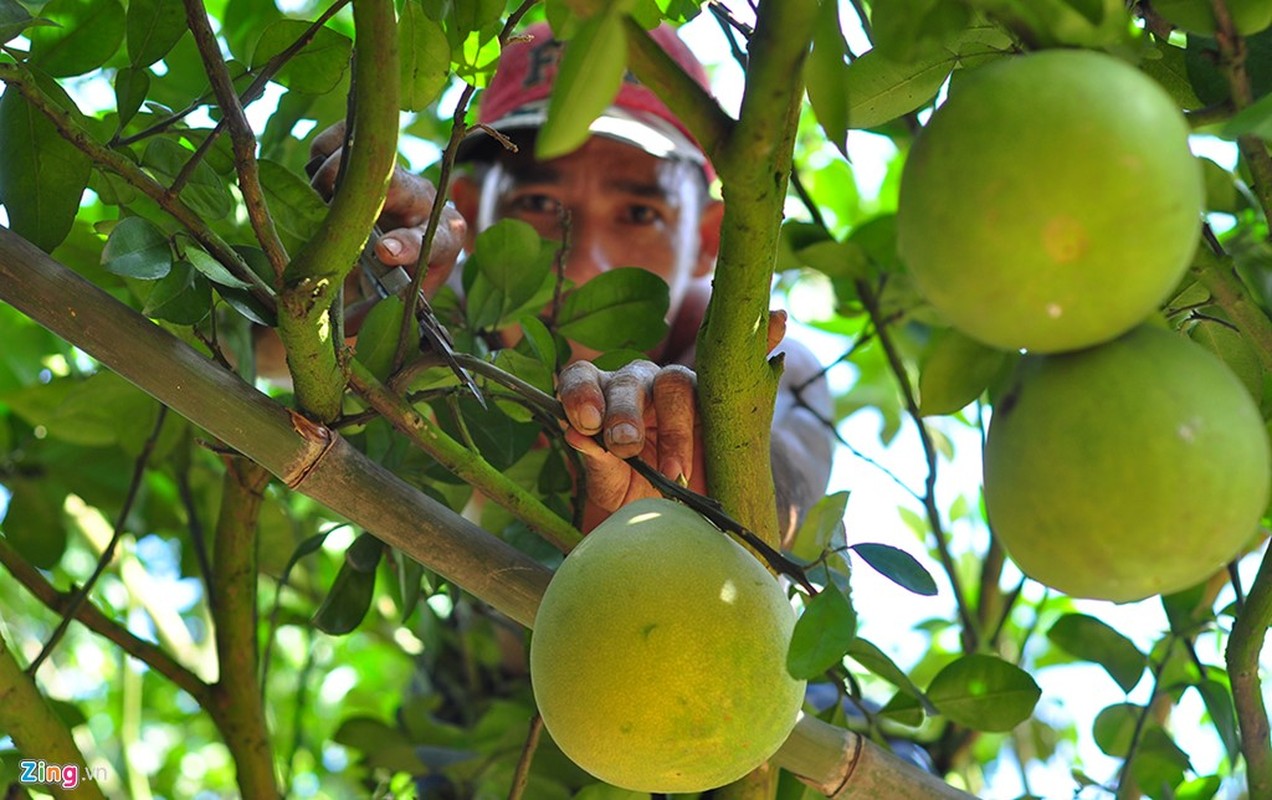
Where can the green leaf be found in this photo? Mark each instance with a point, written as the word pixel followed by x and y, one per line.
pixel 984 692
pixel 822 529
pixel 880 90
pixel 904 709
pixel 137 249
pixel 131 85
pixel 903 30
pixel 182 296
pixel 1253 120
pixel 625 307
pixel 317 69
pixel 1114 728
pixel 897 566
pixel 510 268
pixel 425 58
pixel 153 27
pixel 297 209
pixel 33 522
pixel 1223 715
pixel 589 77
pixel 42 176
pixel 824 76
pixel 213 270
pixel 1092 640
pixel 205 193
pixel 822 634
pixel 956 372
pixel 378 336
pixel 87 34
pixel 14 19
pixel 1158 760
pixel 872 658
pixel 346 605
pixel 500 440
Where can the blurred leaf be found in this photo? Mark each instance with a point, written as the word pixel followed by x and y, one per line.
pixel 1092 640
pixel 42 176
pixel 153 27
pixel 1253 120
pixel 14 19
pixel 182 296
pixel 87 34
pixel 296 207
pixel 317 69
pixel 904 709
pixel 822 528
pixel 33 523
pixel 984 692
pixel 425 58
pixel 897 566
pixel 625 307
pixel 956 372
pixel 824 76
pixel 137 249
pixel 1114 728
pixel 1166 64
pixel 131 85
pixel 1159 762
pixel 822 634
pixel 364 553
pixel 877 662
pixel 903 30
pixel 410 575
pixel 880 90
pixel 378 336
pixel 1223 715
pixel 509 270
pixel 589 77
pixel 346 605
pixel 1199 788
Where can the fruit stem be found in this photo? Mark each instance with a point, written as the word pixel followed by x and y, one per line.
pixel 1213 268
pixel 1242 655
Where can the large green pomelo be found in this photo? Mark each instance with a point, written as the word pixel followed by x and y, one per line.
pixel 1134 468
pixel 658 658
pixel 1052 202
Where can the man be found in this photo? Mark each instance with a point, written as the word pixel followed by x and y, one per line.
pixel 634 194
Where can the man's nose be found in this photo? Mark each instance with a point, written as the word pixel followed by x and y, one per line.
pixel 590 252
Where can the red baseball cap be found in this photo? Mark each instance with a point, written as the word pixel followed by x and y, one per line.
pixel 517 99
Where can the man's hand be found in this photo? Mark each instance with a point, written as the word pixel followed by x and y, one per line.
pixel 639 410
pixel 406 210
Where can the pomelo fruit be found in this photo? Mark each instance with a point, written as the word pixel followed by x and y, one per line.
pixel 658 658
pixel 1051 203
pixel 1134 468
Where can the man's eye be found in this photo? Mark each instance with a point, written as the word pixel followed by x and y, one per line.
pixel 643 215
pixel 535 204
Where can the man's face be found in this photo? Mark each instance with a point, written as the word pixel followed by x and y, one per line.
pixel 616 205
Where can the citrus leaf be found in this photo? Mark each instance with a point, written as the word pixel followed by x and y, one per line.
pixel 14 19
pixel 131 85
pixel 296 207
pixel 137 249
pixel 822 634
pixel 904 709
pixel 903 29
pixel 346 605
pixel 984 692
pixel 153 27
pixel 878 663
pixel 425 58
pixel 182 296
pixel 1092 640
pixel 880 90
pixel 1114 728
pixel 213 270
pixel 317 68
pixel 42 176
pixel 956 372
pixel 823 525
pixel 1223 716
pixel 589 77
pixel 897 566
pixel 625 307
pixel 205 193
pixel 33 522
pixel 378 336
pixel 85 35
pixel 824 76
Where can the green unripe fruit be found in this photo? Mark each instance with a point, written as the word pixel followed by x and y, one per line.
pixel 1052 202
pixel 658 658
pixel 1134 468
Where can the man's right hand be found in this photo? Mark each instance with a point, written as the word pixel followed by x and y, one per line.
pixel 406 210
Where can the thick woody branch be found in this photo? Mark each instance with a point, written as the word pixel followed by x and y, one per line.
pixel 1244 646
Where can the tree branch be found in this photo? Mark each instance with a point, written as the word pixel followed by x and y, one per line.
pixel 1213 268
pixel 237 699
pixel 121 165
pixel 1244 646
pixel 1232 62
pixel 92 618
pixel 241 135
pixel 35 727
pixel 315 276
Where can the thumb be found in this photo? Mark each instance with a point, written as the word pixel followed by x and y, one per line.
pixel 776 328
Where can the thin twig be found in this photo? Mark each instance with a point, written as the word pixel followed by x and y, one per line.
pixel 1126 788
pixel 521 776
pixel 108 555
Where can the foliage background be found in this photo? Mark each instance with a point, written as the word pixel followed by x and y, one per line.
pixel 380 676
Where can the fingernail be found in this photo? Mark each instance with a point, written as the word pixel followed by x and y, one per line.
pixel 590 418
pixel 623 433
pixel 393 246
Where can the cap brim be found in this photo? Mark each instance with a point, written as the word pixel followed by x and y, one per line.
pixel 643 131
